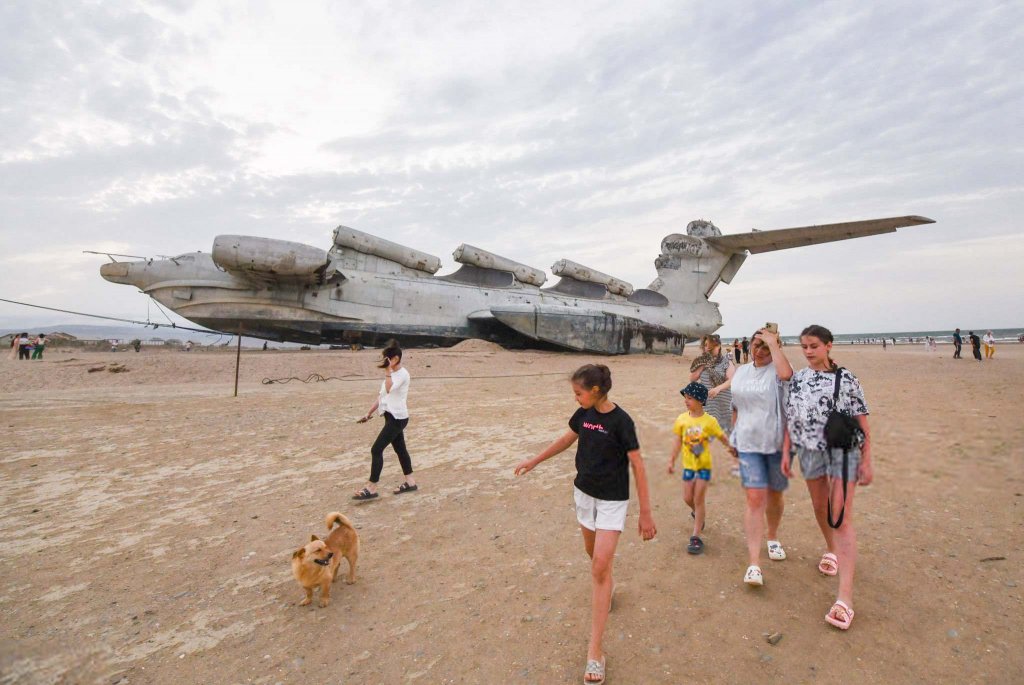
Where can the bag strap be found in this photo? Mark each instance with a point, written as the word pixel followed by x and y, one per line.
pixel 842 510
pixel 835 391
pixel 846 455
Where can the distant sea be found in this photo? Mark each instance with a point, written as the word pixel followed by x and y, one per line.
pixel 946 336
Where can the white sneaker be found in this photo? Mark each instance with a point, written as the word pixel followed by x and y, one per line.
pixel 775 551
pixel 753 576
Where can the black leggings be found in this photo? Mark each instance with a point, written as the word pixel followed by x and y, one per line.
pixel 391 434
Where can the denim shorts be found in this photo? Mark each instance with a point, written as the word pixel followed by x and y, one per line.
pixel 760 470
pixel 690 474
pixel 818 463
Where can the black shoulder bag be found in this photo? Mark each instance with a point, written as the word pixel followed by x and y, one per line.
pixel 841 432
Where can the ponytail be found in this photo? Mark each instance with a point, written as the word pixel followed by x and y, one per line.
pixel 594 376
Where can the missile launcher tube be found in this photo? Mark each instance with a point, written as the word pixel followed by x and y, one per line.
pixel 474 256
pixel 571 269
pixel 267 256
pixel 385 249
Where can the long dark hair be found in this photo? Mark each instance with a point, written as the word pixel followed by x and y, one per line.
pixel 391 350
pixel 594 376
pixel 824 335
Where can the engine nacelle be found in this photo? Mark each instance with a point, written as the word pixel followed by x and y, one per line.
pixel 571 269
pixel 474 256
pixel 385 249
pixel 267 256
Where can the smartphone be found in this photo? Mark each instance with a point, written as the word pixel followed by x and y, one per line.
pixel 772 327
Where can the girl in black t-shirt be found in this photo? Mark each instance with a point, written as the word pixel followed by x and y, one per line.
pixel 607 447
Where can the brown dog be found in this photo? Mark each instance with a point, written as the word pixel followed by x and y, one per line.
pixel 317 563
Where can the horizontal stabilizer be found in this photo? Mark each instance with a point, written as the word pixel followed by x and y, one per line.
pixel 785 238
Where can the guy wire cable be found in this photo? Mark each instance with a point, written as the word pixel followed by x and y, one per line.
pixel 317 378
pixel 113 318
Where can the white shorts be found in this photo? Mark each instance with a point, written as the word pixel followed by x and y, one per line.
pixel 599 514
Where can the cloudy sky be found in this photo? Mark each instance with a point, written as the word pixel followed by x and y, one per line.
pixel 537 130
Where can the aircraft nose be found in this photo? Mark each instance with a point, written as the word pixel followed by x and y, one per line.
pixel 127 273
pixel 116 272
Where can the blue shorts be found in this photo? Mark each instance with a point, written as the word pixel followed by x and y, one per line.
pixel 760 470
pixel 690 474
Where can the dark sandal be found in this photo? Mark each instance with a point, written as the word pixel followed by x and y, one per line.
pixel 365 494
pixel 405 487
pixel 696 545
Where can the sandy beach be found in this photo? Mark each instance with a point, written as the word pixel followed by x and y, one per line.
pixel 149 519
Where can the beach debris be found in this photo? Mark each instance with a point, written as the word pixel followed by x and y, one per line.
pixel 993 559
pixel 94 369
pixel 953 632
pixel 774 638
pixel 117 368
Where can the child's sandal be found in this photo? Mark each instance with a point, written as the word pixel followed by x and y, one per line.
pixel 594 668
pixel 829 564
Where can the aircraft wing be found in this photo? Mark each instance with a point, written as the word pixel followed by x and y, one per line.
pixel 785 238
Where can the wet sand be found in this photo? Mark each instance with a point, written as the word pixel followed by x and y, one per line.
pixel 149 519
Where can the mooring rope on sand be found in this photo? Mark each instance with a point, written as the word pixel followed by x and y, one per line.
pixel 312 378
pixel 317 378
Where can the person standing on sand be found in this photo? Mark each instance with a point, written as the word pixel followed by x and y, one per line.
pixel 24 347
pixel 809 401
pixel 958 342
pixel 713 369
pixel 392 404
pixel 990 345
pixel 746 350
pixel 39 346
pixel 736 351
pixel 975 345
pixel 14 347
pixel 757 396
pixel 608 447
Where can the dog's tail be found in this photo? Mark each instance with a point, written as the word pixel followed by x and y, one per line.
pixel 339 518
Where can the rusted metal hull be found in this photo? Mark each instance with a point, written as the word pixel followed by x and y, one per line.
pixel 589 330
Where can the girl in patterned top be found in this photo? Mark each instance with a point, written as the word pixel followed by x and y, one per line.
pixel 808 404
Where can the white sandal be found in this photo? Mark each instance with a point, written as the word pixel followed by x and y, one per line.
pixel 594 667
pixel 753 576
pixel 775 550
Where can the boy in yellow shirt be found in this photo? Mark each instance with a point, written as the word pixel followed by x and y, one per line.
pixel 694 431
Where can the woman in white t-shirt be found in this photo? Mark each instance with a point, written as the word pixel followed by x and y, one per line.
pixel 757 418
pixel 392 405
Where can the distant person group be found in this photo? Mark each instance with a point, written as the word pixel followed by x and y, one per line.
pixel 988 342
pixel 24 347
